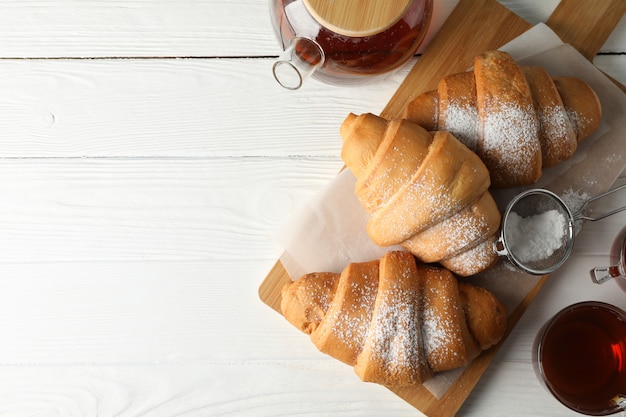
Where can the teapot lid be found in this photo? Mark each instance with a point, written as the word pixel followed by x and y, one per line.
pixel 357 18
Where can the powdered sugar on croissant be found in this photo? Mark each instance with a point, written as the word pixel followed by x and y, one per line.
pixel 517 119
pixel 428 193
pixel 396 321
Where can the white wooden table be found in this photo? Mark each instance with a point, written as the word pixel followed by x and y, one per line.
pixel 146 158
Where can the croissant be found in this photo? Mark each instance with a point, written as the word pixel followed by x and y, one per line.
pixel 517 119
pixel 426 192
pixel 396 321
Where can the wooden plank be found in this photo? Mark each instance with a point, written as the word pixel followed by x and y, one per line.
pixel 194 389
pixel 587 28
pixel 175 28
pixel 132 108
pixel 586 25
pixel 270 288
pixel 88 210
pixel 172 28
pixel 129 312
pixel 75 343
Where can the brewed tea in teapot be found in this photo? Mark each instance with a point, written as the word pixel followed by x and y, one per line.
pixel 346 41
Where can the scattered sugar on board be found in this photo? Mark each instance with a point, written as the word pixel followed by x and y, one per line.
pixel 537 237
pixel 574 199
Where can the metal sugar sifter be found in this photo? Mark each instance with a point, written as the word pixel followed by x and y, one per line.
pixel 537 233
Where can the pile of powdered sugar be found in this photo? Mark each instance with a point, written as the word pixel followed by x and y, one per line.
pixel 535 238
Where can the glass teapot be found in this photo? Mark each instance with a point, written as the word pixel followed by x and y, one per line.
pixel 345 41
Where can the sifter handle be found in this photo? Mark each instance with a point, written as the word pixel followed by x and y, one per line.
pixel 578 215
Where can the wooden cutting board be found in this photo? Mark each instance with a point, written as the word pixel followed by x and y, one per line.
pixel 473 27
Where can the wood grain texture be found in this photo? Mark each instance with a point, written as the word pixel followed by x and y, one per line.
pixel 132 108
pixel 77 210
pixel 35 29
pixel 585 31
pixel 183 28
pixel 195 390
pixel 82 367
pixel 372 17
pixel 596 27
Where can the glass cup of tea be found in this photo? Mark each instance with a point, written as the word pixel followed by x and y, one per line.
pixel 579 356
pixel 617 267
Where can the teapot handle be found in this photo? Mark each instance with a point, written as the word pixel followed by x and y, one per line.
pixel 600 275
pixel 300 60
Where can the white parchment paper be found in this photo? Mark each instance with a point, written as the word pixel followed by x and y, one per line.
pixel 329 231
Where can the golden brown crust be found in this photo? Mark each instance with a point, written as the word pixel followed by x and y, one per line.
pixel 446 182
pixel 371 137
pixel 423 110
pixel 390 166
pixel 581 103
pixel 464 230
pixel 485 314
pixel 305 302
pixel 342 331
